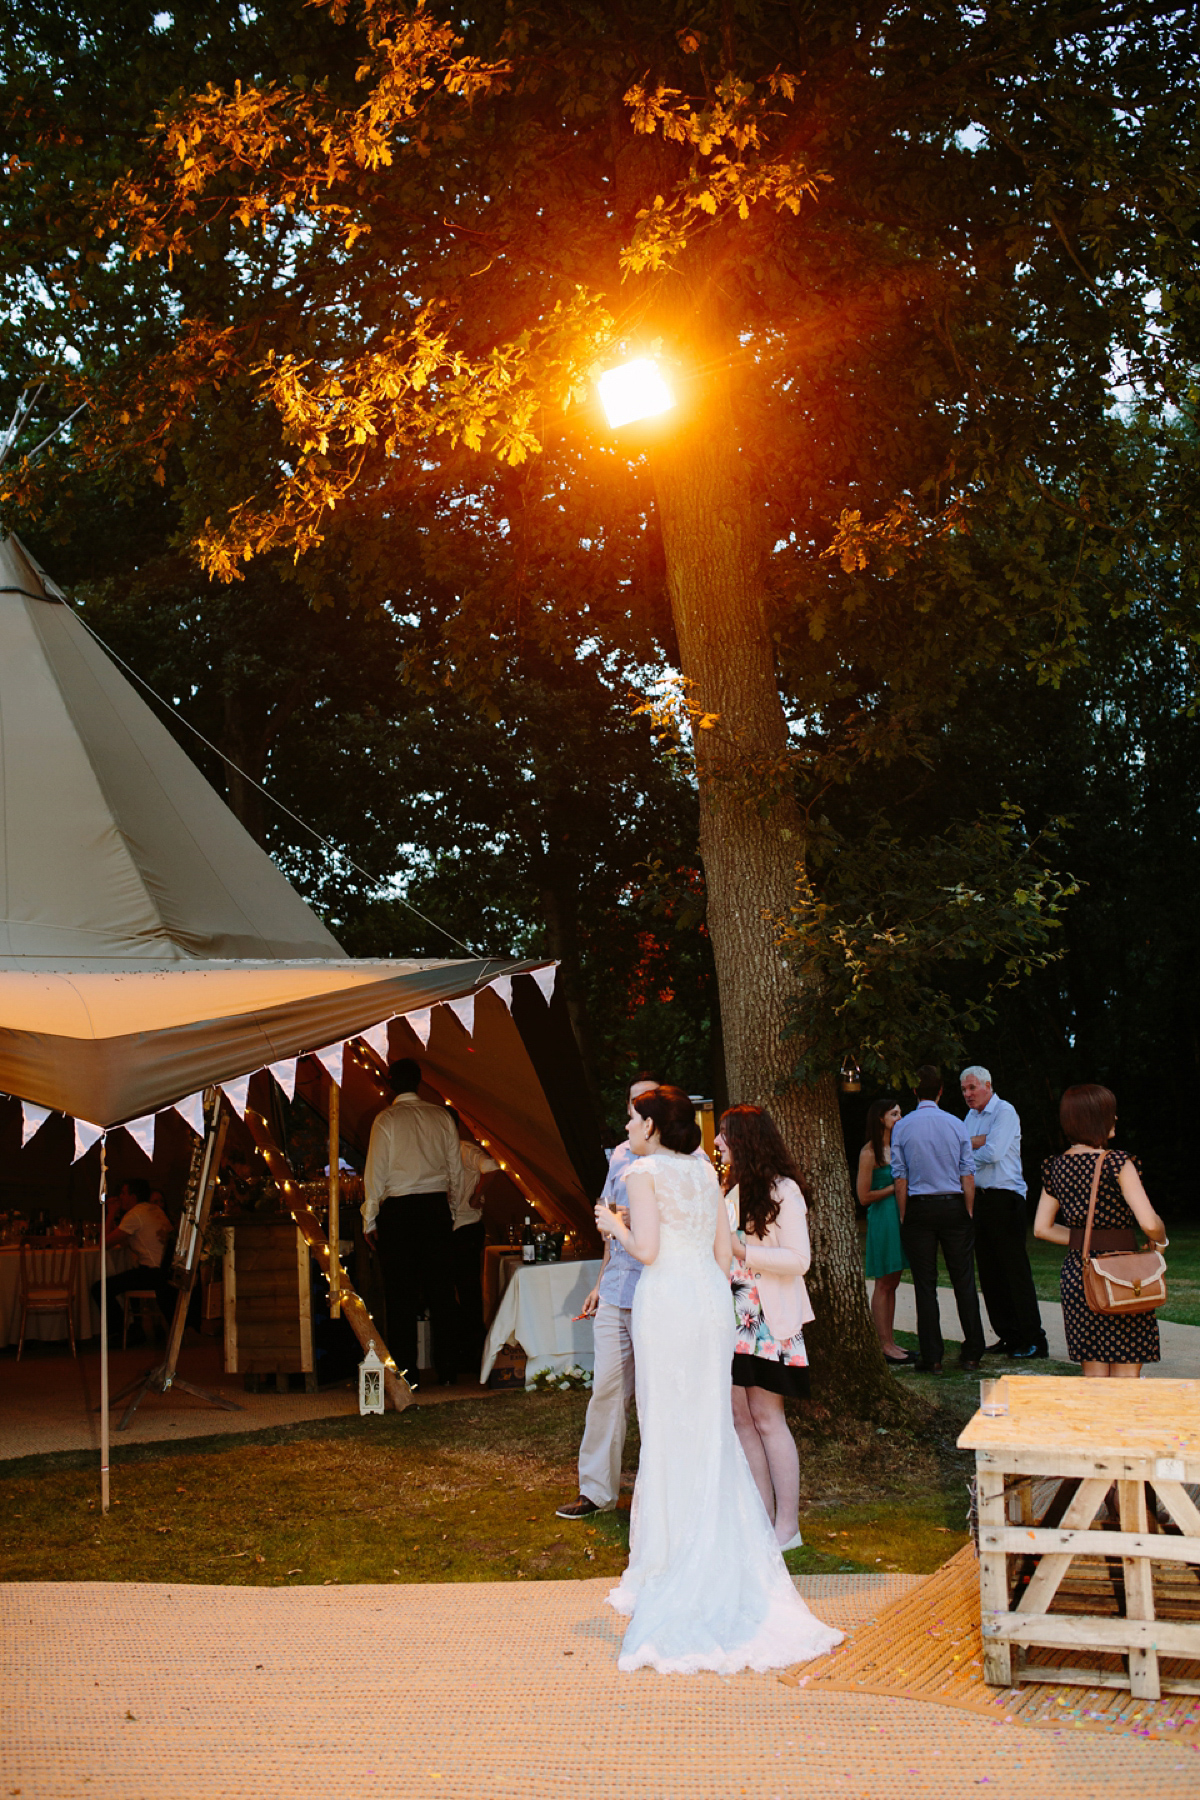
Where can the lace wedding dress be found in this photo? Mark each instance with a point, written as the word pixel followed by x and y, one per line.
pixel 706 1586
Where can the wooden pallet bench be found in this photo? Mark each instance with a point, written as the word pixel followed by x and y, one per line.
pixel 1089 1540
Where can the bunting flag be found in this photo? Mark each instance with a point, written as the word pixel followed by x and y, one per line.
pixel 142 1133
pixel 32 1119
pixel 85 1136
pixel 235 1092
pixel 464 1012
pixel 285 1074
pixel 331 1059
pixel 545 980
pixel 191 1111
pixel 421 1022
pixel 377 1037
pixel 503 986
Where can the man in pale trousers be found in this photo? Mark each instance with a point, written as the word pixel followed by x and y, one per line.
pixel 610 1303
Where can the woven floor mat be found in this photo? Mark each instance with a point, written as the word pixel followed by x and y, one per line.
pixel 927 1645
pixel 496 1691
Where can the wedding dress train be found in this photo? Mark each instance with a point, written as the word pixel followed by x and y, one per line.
pixel 706 1586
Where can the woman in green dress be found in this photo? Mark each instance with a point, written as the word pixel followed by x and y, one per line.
pixel 885 1254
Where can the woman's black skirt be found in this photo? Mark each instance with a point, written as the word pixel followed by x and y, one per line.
pixel 777 1377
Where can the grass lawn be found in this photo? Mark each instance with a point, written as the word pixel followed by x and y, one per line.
pixel 462 1491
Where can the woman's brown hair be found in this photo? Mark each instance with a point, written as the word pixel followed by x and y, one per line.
pixel 758 1158
pixel 673 1116
pixel 876 1113
pixel 1087 1114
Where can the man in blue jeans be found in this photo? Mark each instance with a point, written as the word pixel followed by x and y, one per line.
pixel 933 1167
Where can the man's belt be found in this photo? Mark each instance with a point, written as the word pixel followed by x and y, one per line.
pixel 956 1195
pixel 1103 1242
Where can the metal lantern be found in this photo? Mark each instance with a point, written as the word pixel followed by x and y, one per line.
pixel 851 1076
pixel 370 1382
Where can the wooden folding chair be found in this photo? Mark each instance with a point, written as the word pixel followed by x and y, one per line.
pixel 47 1282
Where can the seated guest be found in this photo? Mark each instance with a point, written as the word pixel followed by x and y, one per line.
pixel 140 1224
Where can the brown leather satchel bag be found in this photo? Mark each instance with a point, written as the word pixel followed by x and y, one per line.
pixel 1121 1281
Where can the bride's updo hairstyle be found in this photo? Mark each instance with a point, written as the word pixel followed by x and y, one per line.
pixel 673 1116
pixel 758 1158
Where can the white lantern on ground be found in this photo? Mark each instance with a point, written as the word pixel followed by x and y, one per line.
pixel 370 1382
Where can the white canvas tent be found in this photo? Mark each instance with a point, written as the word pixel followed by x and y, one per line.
pixel 148 947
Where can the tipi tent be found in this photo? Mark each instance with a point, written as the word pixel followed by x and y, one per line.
pixel 148 947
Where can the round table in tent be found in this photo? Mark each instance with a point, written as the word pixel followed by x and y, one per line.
pixel 538 1312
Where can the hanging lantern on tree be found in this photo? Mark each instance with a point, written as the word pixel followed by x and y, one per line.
pixel 370 1382
pixel 851 1076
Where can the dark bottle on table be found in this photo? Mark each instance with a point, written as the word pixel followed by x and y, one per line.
pixel 528 1246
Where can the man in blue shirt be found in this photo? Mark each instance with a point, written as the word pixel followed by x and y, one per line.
pixel 934 1170
pixel 1001 1223
pixel 611 1304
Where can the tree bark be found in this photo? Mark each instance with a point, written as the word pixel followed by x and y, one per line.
pixel 751 842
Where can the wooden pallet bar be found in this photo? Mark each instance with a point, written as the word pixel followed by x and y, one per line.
pixel 1052 1573
pixel 353 1309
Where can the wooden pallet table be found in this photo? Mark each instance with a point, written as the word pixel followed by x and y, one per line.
pixel 1058 1568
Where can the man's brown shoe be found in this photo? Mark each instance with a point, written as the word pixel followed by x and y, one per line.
pixel 583 1508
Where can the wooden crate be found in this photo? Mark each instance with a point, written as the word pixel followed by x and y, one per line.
pixel 1056 1575
pixel 268 1302
pixel 508 1370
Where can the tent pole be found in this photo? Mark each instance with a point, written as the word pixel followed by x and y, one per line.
pixel 103 1323
pixel 335 1196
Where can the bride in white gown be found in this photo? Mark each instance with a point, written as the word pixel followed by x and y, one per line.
pixel 706 1586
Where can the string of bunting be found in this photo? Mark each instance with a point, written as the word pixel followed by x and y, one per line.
pixel 330 1056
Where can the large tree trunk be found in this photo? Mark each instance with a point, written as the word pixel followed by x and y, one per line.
pixel 750 842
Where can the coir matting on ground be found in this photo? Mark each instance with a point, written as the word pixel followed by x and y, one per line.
pixel 482 1691
pixel 927 1645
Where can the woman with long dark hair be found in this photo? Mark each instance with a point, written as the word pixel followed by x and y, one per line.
pixel 771 1306
pixel 706 1586
pixel 886 1261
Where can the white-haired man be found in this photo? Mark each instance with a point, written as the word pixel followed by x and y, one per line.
pixel 1001 1256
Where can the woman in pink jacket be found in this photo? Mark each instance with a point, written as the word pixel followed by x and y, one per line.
pixel 772 1254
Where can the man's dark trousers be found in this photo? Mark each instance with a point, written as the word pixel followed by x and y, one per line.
pixel 930 1220
pixel 1005 1277
pixel 417 1252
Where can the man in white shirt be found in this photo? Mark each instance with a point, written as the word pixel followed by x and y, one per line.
pixel 141 1226
pixel 414 1176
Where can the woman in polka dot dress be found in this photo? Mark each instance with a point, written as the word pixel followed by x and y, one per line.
pixel 1104 1345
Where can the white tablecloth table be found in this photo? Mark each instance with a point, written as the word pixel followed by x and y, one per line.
pixel 49 1327
pixel 538 1312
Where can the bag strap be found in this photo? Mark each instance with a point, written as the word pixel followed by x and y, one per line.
pixel 1087 1234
